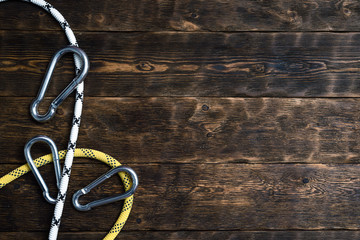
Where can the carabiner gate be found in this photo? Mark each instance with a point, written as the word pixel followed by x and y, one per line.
pixel 67 91
pixel 87 189
pixel 34 169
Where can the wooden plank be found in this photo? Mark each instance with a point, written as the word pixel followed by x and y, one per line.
pixel 189 15
pixel 190 130
pixel 194 235
pixel 203 197
pixel 189 64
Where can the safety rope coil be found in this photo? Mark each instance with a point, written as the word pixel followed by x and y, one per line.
pixel 55 223
pixel 82 153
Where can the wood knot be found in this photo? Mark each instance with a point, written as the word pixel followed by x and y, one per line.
pixel 100 18
pixel 205 107
pixel 294 18
pixel 60 111
pixel 145 66
pixel 347 12
pixel 305 180
pixel 311 5
pixel 210 135
pixel 194 14
pixel 259 68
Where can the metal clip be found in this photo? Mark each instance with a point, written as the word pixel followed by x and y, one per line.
pixel 67 91
pixel 107 200
pixel 34 169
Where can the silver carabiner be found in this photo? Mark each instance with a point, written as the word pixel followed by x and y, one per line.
pixel 67 91
pixel 34 169
pixel 87 189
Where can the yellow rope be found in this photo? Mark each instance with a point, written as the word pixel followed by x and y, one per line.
pixel 85 153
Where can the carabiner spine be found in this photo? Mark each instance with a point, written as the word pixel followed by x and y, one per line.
pixel 66 92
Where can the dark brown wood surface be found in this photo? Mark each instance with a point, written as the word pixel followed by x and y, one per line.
pixel 191 15
pixel 179 196
pixel 241 118
pixel 194 235
pixel 198 129
pixel 190 64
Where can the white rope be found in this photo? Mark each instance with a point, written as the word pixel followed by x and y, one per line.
pixel 55 223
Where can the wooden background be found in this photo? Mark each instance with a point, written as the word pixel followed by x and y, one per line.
pixel 241 118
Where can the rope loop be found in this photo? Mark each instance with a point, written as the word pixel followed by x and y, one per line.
pixel 83 153
pixel 61 196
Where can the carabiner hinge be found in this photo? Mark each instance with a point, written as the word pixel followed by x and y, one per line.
pixel 107 200
pixel 34 169
pixel 67 91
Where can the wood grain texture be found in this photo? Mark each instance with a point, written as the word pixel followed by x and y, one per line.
pixel 189 15
pixel 236 115
pixel 193 235
pixel 189 64
pixel 197 130
pixel 203 197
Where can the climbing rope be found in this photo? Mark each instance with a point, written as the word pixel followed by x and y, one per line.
pixel 82 153
pixel 55 223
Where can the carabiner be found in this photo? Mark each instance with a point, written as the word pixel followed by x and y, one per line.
pixel 67 91
pixel 34 169
pixel 87 189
